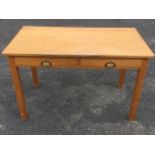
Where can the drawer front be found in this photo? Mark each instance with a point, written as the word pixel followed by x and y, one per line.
pixel 111 63
pixel 46 62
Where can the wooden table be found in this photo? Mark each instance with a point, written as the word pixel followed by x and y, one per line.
pixel 120 48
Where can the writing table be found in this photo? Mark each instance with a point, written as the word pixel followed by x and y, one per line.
pixel 120 48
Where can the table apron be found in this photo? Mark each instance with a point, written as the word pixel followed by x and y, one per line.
pixel 68 62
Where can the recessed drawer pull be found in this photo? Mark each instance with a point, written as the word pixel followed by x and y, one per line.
pixel 46 63
pixel 110 65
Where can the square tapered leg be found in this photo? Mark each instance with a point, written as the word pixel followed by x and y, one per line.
pixel 121 81
pixel 137 90
pixel 18 89
pixel 34 77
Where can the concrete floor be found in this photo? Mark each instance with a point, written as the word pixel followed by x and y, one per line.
pixel 76 101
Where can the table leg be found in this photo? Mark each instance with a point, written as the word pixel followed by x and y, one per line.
pixel 121 78
pixel 34 76
pixel 18 89
pixel 137 90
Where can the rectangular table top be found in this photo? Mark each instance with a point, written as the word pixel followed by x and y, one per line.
pixel 69 41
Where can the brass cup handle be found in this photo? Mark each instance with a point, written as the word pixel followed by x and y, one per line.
pixel 110 65
pixel 46 63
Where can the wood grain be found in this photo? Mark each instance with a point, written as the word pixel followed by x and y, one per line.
pixel 34 77
pixel 77 62
pixel 120 63
pixel 18 89
pixel 60 41
pixel 37 61
pixel 121 78
pixel 137 90
pixel 121 48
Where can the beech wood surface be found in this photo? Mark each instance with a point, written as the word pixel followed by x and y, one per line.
pixel 69 41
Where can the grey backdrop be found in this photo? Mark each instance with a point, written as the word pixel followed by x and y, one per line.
pixel 76 101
